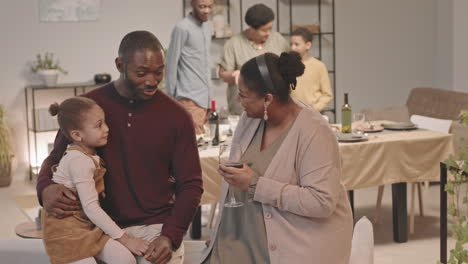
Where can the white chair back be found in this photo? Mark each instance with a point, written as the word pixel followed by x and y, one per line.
pixel 362 246
pixel 430 123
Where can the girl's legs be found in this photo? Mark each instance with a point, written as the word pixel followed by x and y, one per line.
pixel 150 232
pixel 116 253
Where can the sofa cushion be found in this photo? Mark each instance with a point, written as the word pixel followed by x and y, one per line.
pixel 26 251
pixel 23 251
pixel 437 103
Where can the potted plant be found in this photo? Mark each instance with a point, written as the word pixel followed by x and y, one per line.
pixel 6 152
pixel 47 68
pixel 458 206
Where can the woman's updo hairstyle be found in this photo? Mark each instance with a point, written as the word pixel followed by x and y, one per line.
pixel 70 113
pixel 282 71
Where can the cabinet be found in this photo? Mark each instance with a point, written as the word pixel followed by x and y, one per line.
pixel 287 14
pixel 41 126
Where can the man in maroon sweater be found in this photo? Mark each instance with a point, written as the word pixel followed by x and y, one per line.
pixel 153 180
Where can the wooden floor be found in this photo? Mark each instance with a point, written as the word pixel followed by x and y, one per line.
pixel 422 247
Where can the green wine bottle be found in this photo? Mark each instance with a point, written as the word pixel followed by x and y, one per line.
pixel 346 116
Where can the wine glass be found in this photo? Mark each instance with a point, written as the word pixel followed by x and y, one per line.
pixel 233 120
pixel 358 122
pixel 229 155
pixel 207 133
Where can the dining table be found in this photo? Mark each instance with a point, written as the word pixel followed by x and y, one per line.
pixel 395 157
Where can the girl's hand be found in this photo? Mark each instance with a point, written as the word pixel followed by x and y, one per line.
pixel 136 245
pixel 238 178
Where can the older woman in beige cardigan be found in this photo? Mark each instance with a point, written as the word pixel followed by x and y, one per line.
pixel 296 209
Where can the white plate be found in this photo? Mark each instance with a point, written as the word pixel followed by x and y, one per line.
pixel 376 129
pixel 351 137
pixel 400 126
pixel 203 141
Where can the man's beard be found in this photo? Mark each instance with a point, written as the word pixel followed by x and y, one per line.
pixel 135 92
pixel 198 15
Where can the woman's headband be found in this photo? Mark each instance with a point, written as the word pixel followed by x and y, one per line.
pixel 262 67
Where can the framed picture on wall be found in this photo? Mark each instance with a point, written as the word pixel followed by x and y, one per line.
pixel 68 10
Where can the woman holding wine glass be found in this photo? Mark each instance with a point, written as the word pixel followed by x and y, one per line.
pixel 295 209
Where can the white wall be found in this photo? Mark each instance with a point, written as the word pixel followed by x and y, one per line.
pixel 84 48
pixel 384 48
pixel 444 44
pixel 460 7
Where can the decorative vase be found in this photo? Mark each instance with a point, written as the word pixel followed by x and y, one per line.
pixel 218 25
pixel 218 21
pixel 49 77
pixel 227 31
pixel 102 78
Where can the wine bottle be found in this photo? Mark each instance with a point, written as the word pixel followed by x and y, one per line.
pixel 213 120
pixel 346 116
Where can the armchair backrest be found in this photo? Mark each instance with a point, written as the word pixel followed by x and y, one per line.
pixel 394 113
pixel 437 103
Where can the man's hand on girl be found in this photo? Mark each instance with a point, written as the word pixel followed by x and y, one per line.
pixel 59 201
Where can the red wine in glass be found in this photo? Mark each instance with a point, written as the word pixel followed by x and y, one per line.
pixel 228 159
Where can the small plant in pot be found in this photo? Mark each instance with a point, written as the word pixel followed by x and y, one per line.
pixel 6 152
pixel 47 68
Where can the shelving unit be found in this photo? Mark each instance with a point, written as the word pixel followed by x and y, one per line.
pixel 320 38
pixel 228 14
pixel 41 127
pixel 324 40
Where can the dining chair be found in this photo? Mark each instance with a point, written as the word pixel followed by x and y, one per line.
pixel 362 245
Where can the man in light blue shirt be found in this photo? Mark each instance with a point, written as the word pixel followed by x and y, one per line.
pixel 188 75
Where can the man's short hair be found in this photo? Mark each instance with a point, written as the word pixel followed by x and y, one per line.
pixel 137 41
pixel 303 32
pixel 259 15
